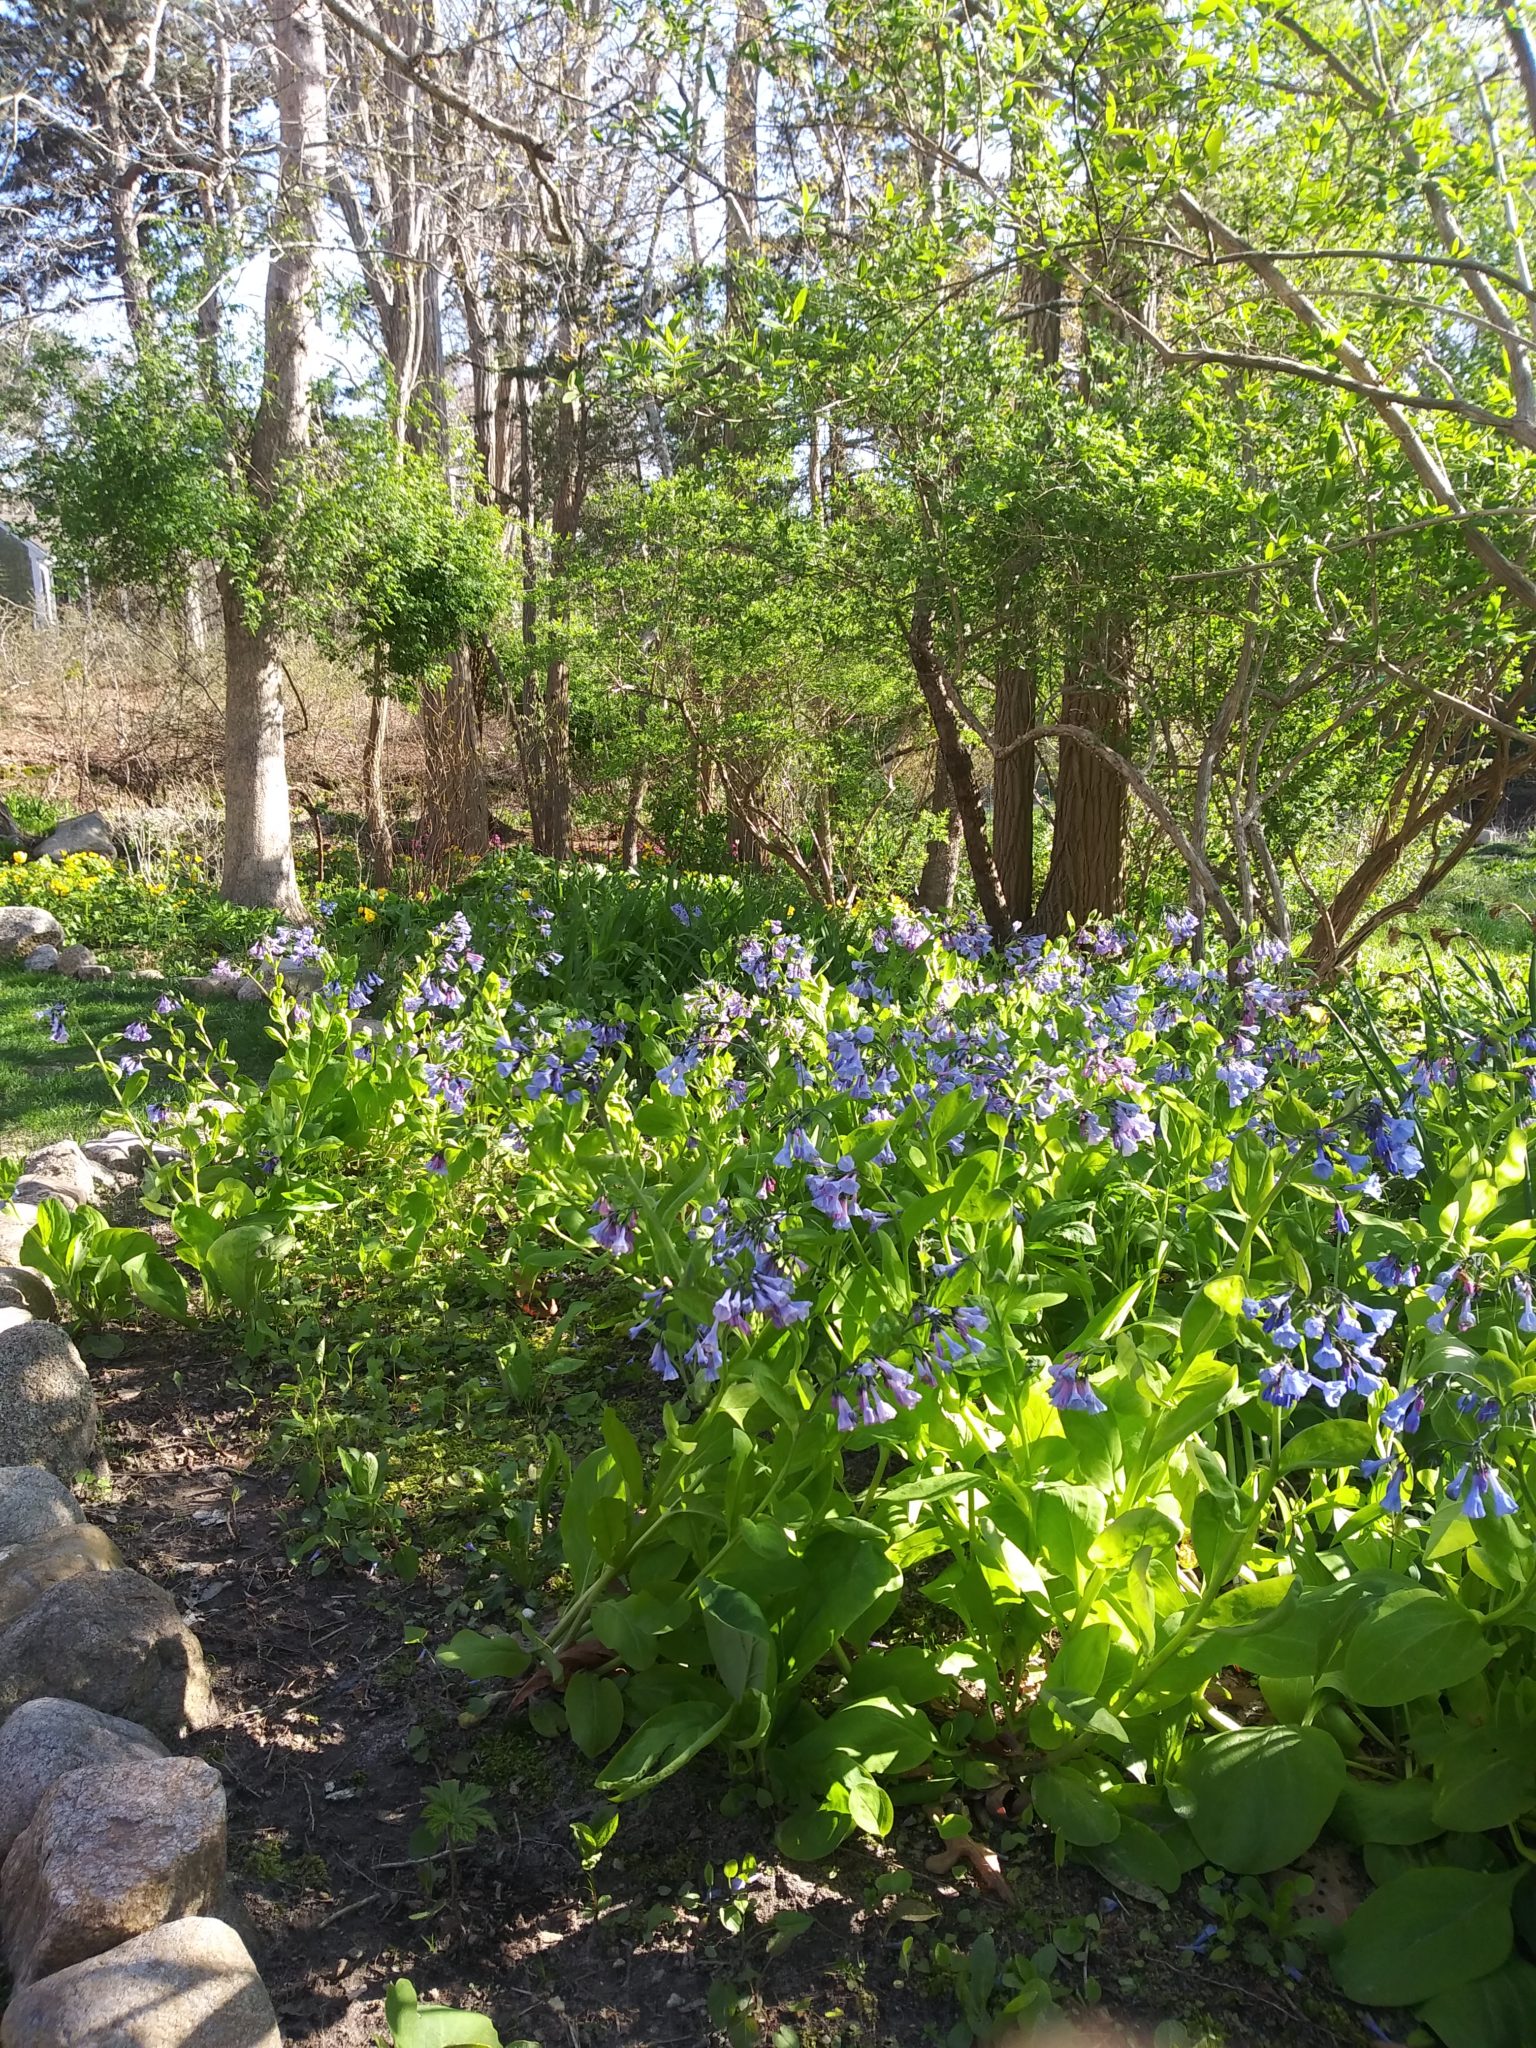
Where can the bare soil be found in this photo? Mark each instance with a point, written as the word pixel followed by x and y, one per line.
pixel 336 1722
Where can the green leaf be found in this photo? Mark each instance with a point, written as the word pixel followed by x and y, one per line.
pixel 739 1640
pixel 1077 1810
pixel 594 1707
pixel 157 1284
pixel 1138 1860
pixel 1336 1442
pixel 1396 1811
pixel 869 1804
pixel 1425 1933
pixel 1415 1642
pixel 433 2026
pixel 236 1259
pixel 479 1655
pixel 813 1832
pixel 1257 1797
pixel 842 1575
pixel 663 1744
pixel 1491 2012
pixel 1480 1783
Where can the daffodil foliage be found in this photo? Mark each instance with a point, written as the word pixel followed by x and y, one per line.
pixel 1085 1367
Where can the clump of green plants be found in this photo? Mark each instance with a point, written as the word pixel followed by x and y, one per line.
pixel 1014 1347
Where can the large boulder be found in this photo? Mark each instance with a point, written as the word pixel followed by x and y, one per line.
pixel 33 1503
pixel 119 1152
pixel 34 1189
pixel 63 1165
pixel 188 1984
pixel 73 958
pixel 11 834
pixel 12 1316
pixel 45 1738
pixel 26 926
pixel 112 1851
pixel 42 960
pixel 16 1219
pixel 115 1641
pixel 47 1409
pixel 89 833
pixel 20 1287
pixel 27 1570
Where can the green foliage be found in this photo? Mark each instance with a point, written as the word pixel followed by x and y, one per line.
pixel 102 1273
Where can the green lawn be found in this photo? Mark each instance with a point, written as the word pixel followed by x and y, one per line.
pixel 58 1091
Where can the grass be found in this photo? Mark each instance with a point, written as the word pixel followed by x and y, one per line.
pixel 57 1091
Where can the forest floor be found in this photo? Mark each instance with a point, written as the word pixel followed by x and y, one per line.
pixel 337 1720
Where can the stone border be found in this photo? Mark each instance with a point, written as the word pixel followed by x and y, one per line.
pixel 112 1884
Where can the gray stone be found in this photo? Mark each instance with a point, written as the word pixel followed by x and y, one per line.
pixel 95 970
pixel 12 1316
pixel 20 1287
pixel 47 1409
pixel 34 1189
pixel 16 1219
pixel 28 1570
pixel 73 958
pixel 11 833
pixel 115 1641
pixel 299 977
pixel 26 926
pixel 45 1738
pixel 64 1165
pixel 249 990
pixel 119 1152
pixel 112 1851
pixel 188 1984
pixel 89 833
pixel 42 960
pixel 33 1503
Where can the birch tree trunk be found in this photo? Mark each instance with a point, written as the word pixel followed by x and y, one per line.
pixel 258 841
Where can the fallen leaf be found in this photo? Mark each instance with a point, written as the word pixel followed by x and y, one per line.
pixel 982 1860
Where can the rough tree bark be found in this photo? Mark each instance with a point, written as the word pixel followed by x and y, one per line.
pixel 1013 790
pixel 960 770
pixel 1088 839
pixel 258 841
pixel 941 859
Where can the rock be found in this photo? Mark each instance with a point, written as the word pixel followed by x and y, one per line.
pixel 112 1851
pixel 42 960
pixel 11 833
pixel 72 958
pixel 16 1219
pixel 12 1316
pixel 45 1738
pixel 115 1641
pixel 32 1504
pixel 32 1188
pixel 119 1152
pixel 188 1984
pixel 96 970
pixel 20 1287
pixel 28 1570
pixel 249 990
pixel 299 977
pixel 24 927
pixel 219 988
pixel 65 1165
pixel 47 1409
pixel 89 833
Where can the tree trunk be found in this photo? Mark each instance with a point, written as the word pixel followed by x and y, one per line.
pixel 1087 843
pixel 258 842
pixel 378 835
pixel 961 772
pixel 1013 791
pixel 629 844
pixel 556 805
pixel 741 82
pixel 941 861
pixel 455 810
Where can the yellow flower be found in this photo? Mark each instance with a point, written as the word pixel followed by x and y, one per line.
pixel 18 860
pixel 370 916
pixel 381 894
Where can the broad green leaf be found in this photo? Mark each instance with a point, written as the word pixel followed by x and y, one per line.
pixel 1138 1860
pixel 662 1745
pixel 1425 1933
pixel 594 1709
pixel 1415 1642
pixel 433 2026
pixel 1257 1797
pixel 1491 2012
pixel 1335 1442
pixel 479 1655
pixel 1394 1810
pixel 1066 1800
